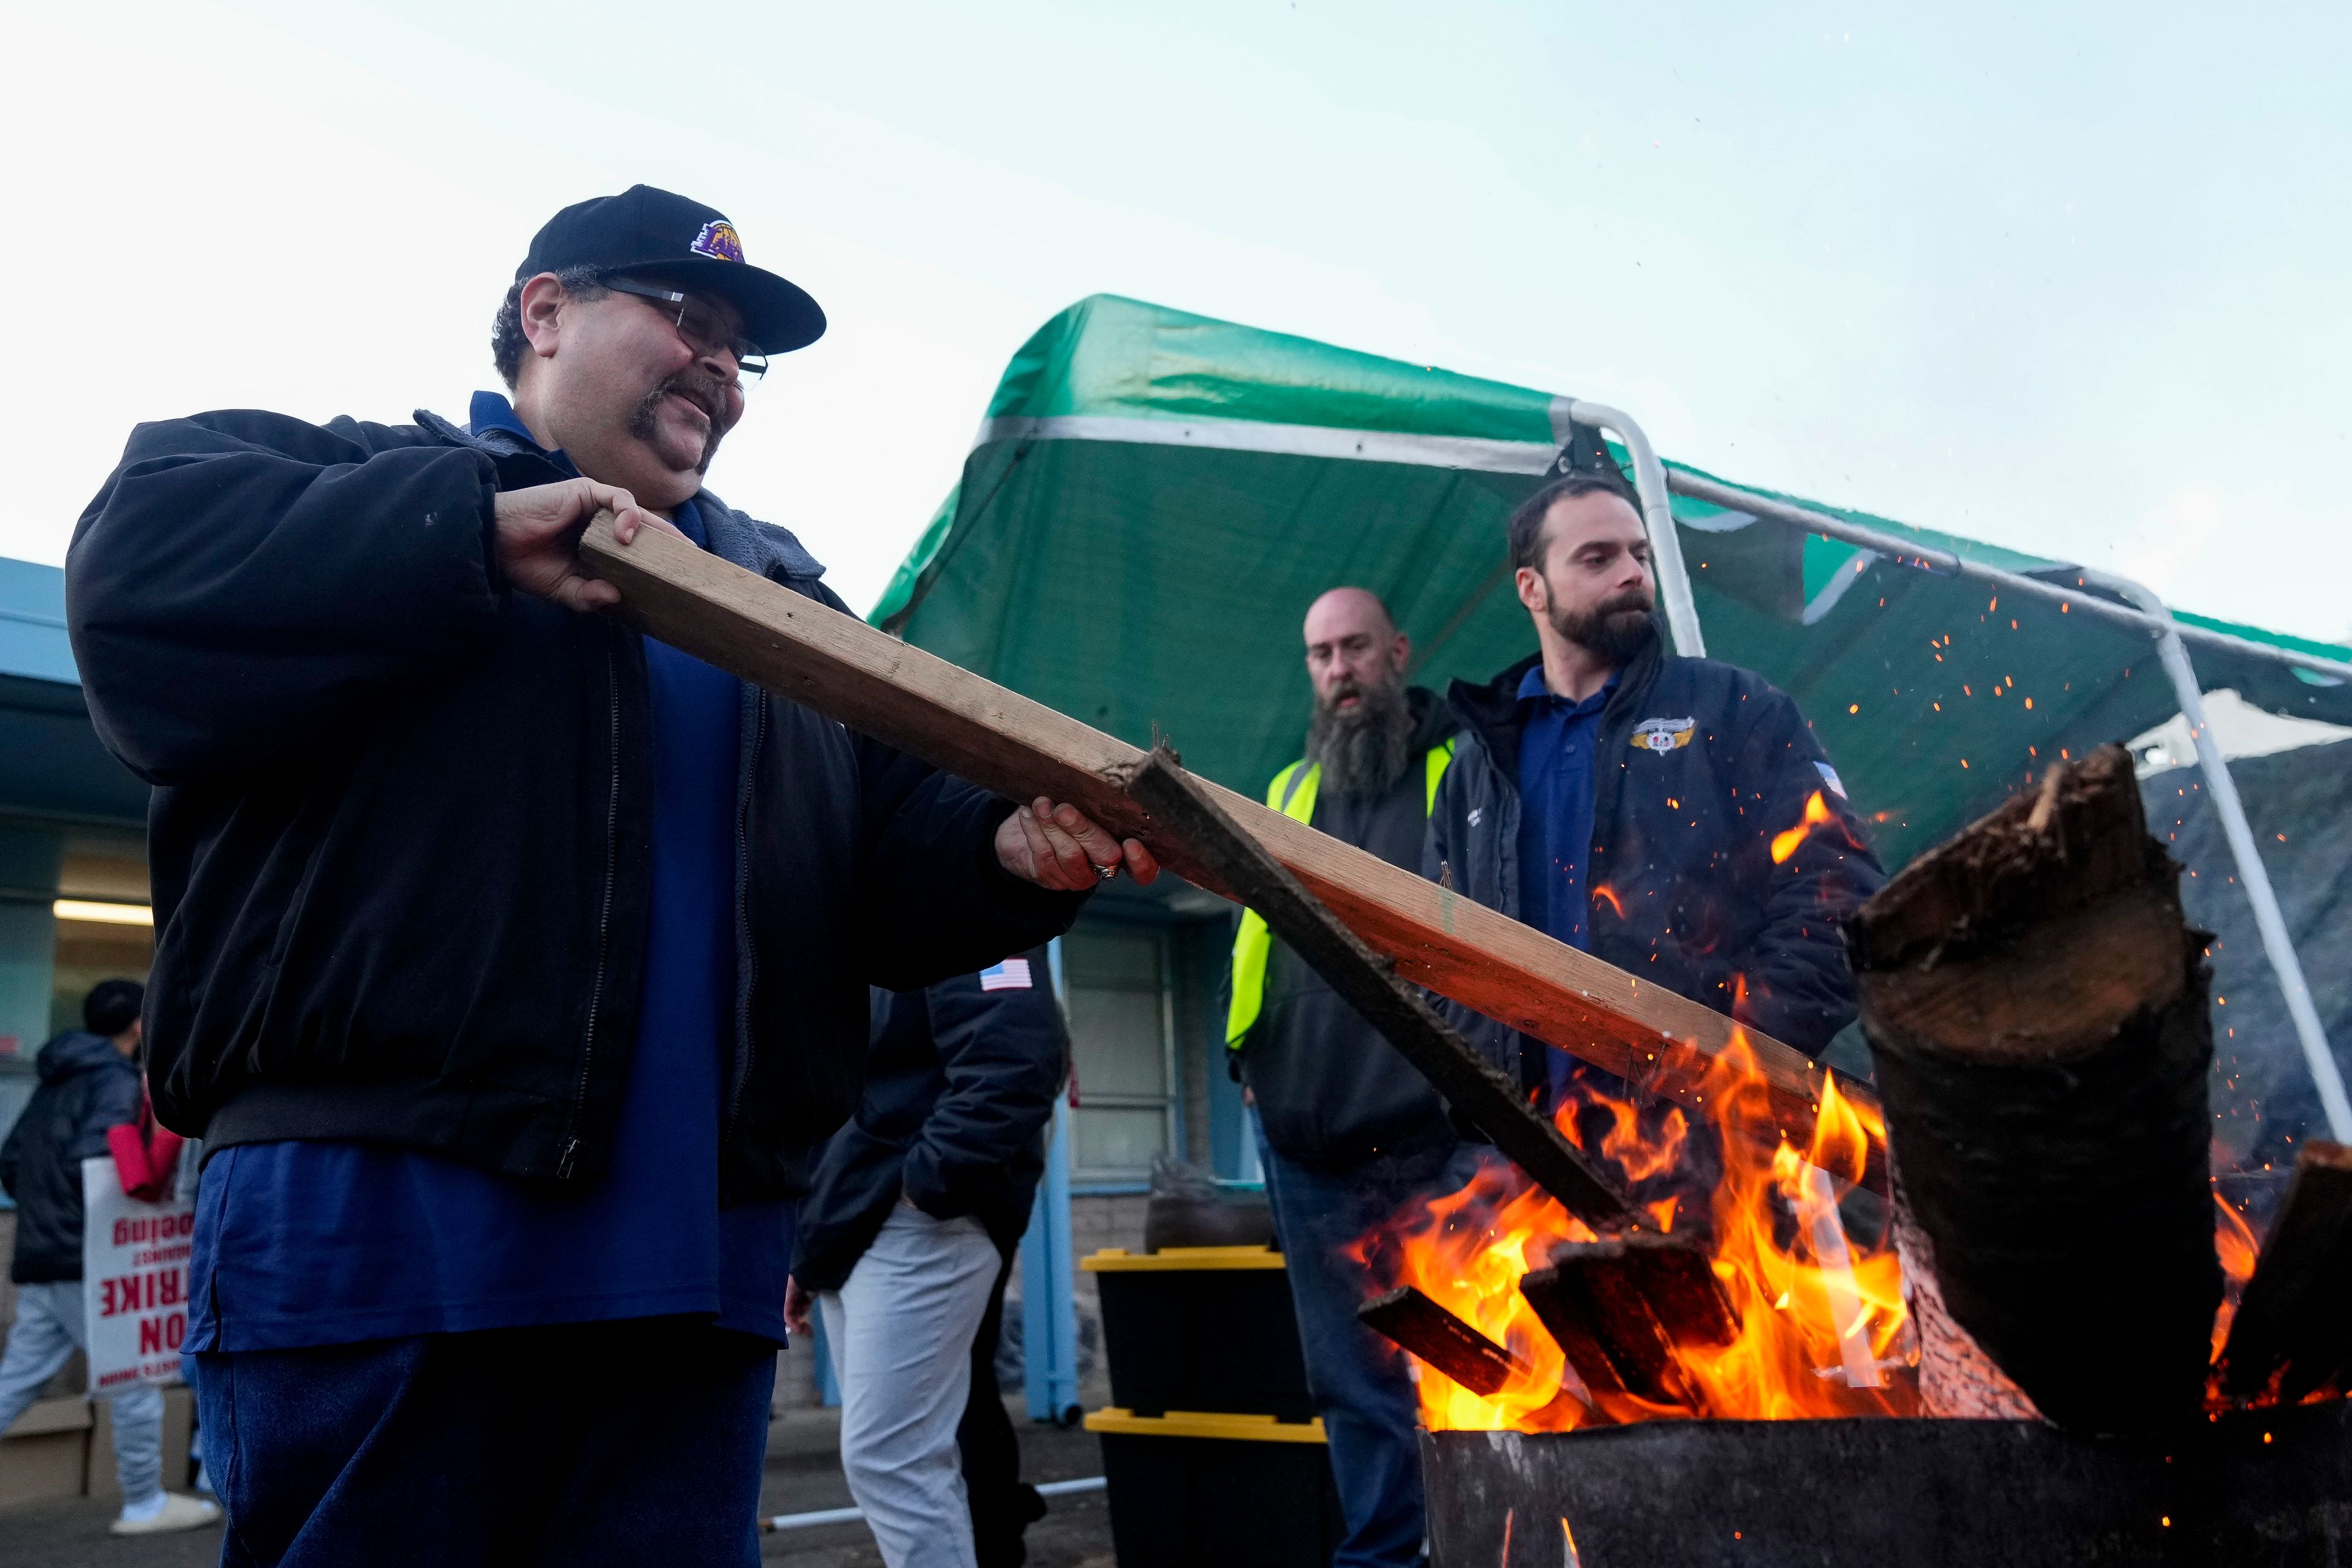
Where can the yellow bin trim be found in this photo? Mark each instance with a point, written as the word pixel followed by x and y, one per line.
pixel 1113 1259
pixel 1200 1423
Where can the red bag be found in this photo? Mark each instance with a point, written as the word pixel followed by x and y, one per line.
pixel 146 1153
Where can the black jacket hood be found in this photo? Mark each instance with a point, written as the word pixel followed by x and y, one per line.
pixel 1433 720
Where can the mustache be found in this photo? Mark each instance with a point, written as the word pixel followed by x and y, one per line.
pixel 1366 692
pixel 1630 599
pixel 705 392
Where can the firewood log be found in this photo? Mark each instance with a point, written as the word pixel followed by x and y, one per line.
pixel 2037 1009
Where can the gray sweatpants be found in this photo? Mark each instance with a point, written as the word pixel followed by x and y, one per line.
pixel 47 1331
pixel 901 1329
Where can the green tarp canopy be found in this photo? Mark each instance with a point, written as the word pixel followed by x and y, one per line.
pixel 1156 497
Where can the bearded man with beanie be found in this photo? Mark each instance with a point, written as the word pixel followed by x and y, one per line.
pixel 513 965
pixel 1349 1132
pixel 1624 800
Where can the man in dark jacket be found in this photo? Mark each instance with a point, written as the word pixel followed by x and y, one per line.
pixel 1349 1132
pixel 90 1084
pixel 513 965
pixel 1672 816
pixel 905 1241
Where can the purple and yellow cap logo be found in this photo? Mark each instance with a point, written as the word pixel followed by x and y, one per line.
pixel 718 241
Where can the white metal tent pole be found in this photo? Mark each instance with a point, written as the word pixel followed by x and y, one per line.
pixel 2252 873
pixel 1658 516
pixel 1943 562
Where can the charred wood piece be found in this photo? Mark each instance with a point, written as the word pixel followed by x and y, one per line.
pixel 2036 1005
pixel 1420 1325
pixel 2292 1333
pixel 1620 1308
pixel 1471 1085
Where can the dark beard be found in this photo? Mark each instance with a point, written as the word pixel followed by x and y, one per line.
pixel 1615 630
pixel 641 423
pixel 1363 750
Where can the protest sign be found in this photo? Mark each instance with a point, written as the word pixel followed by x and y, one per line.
pixel 134 1258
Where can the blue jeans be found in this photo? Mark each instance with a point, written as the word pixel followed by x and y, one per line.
pixel 623 1443
pixel 1359 1380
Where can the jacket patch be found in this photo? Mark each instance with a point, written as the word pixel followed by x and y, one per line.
pixel 1012 974
pixel 1663 734
pixel 1829 777
pixel 1475 813
pixel 717 241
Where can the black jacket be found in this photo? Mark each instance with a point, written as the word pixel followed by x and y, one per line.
pixel 399 832
pixel 1684 890
pixel 959 1084
pixel 1330 1089
pixel 86 1086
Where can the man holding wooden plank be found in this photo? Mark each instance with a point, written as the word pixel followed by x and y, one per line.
pixel 1672 816
pixel 512 964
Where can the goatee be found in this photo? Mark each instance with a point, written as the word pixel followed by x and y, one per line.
pixel 1364 750
pixel 1615 630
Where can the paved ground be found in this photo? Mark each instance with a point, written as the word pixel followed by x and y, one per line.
pixel 803 1475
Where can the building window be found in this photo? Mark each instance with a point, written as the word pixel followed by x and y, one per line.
pixel 1123 1042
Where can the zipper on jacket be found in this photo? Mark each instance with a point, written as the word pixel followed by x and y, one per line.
pixel 570 1153
pixel 747 946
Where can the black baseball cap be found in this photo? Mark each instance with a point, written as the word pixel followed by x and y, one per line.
pixel 654 234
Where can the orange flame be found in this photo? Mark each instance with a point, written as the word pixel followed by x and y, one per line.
pixel 1817 812
pixel 1816 1338
pixel 1608 895
pixel 1813 1336
pixel 2238 1245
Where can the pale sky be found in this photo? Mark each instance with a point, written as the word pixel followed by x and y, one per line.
pixel 2072 278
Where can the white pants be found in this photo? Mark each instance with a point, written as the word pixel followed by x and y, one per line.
pixel 901 1330
pixel 47 1331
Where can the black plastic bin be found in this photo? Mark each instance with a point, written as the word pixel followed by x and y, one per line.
pixel 1191 1491
pixel 1201 1328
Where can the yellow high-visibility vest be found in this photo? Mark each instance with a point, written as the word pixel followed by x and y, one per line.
pixel 1292 793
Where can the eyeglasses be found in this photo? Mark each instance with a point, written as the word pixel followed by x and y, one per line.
pixel 699 326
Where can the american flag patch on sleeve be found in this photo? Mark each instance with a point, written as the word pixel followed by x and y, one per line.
pixel 1012 974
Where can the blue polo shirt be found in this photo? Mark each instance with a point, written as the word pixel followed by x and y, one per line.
pixel 1557 741
pixel 314 1243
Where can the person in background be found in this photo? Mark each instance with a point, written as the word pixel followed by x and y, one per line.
pixel 1349 1132
pixel 89 1083
pixel 906 1239
pixel 1625 801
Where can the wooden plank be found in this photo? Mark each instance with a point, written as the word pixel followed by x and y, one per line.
pixel 837 664
pixel 2292 1333
pixel 1475 1088
pixel 1441 1339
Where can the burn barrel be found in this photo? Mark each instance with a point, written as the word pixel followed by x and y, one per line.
pixel 2253 1489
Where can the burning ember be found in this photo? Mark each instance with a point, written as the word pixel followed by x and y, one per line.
pixel 1820 1314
